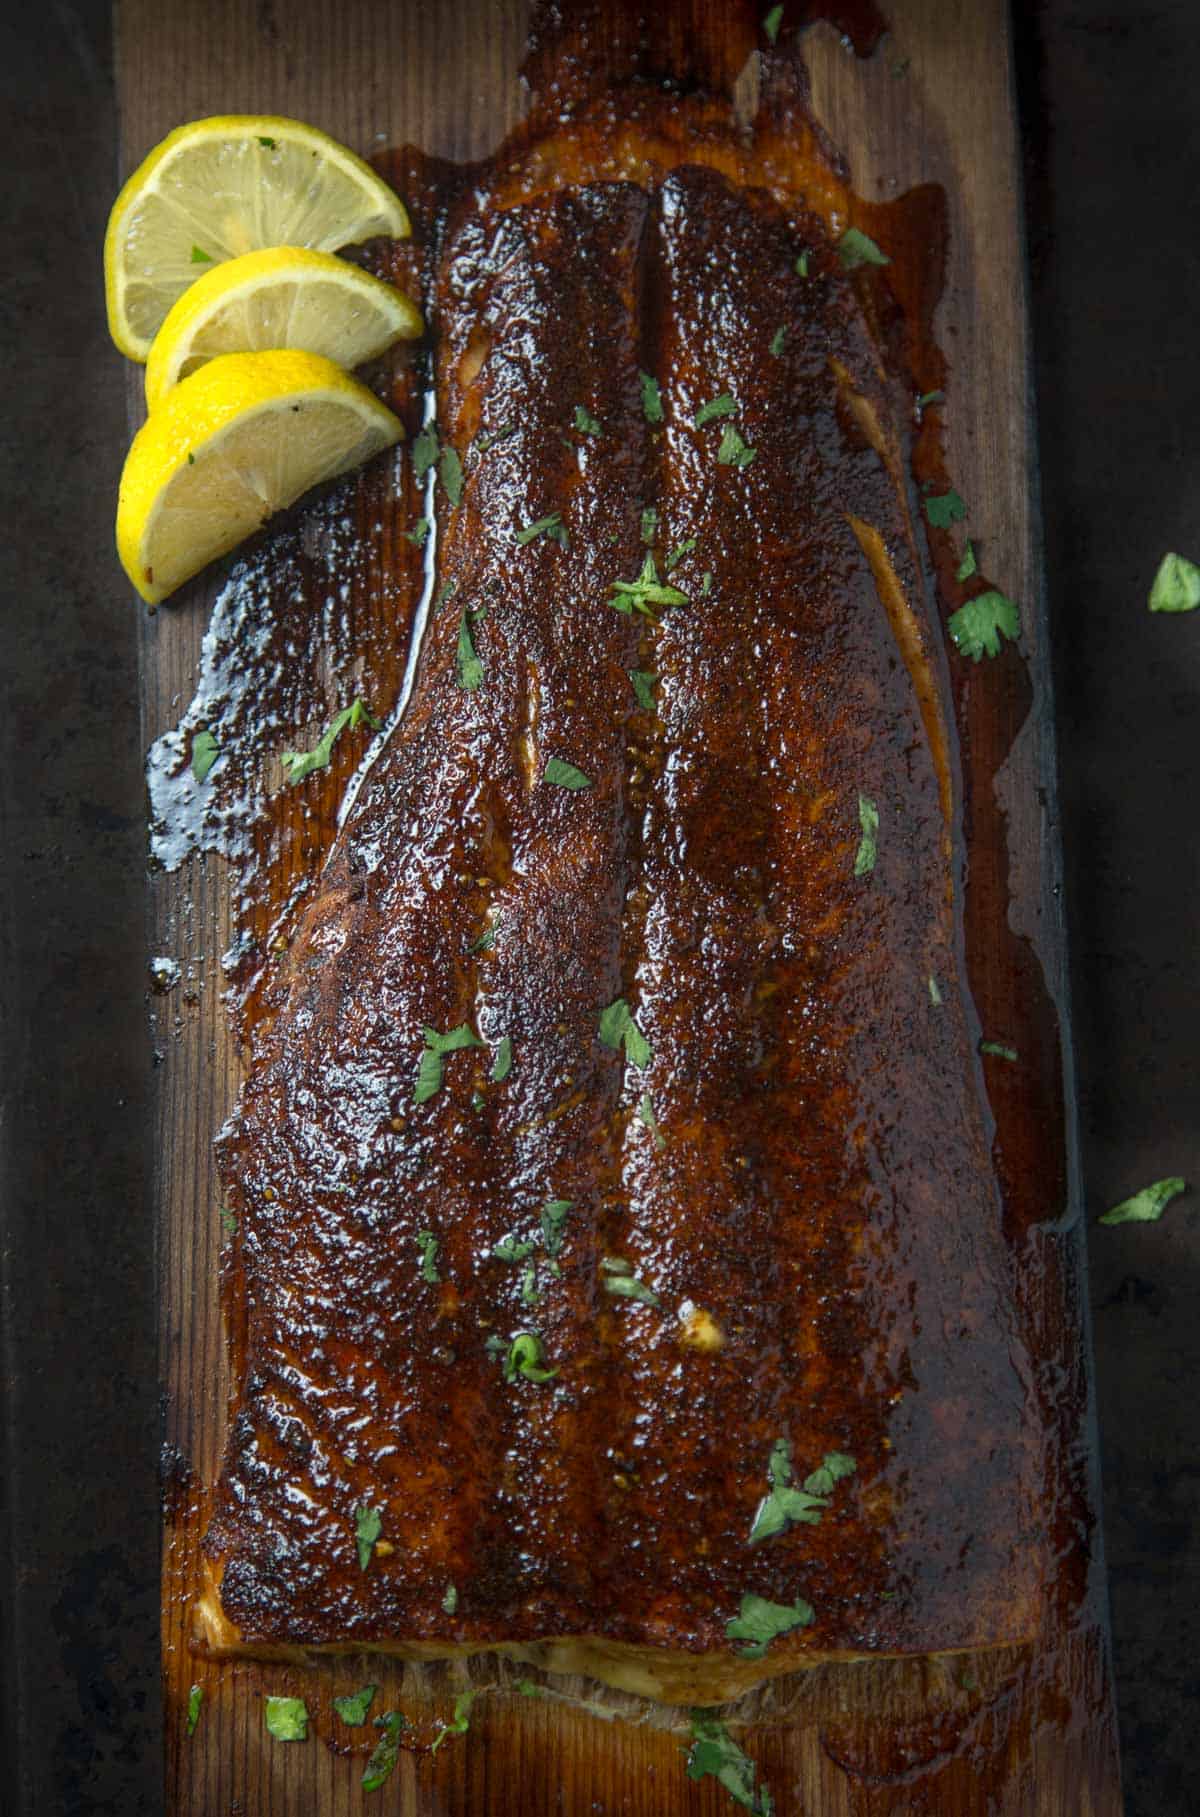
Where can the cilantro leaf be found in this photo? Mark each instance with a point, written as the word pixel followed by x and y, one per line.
pixel 643 686
pixel 679 551
pixel 368 1525
pixel 935 992
pixel 425 450
pixel 649 524
pixel 930 397
pixel 565 775
pixel 205 751
pixel 785 1505
pixel 706 584
pixel 979 627
pixel 487 939
pixel 734 452
pixel 759 1622
pixel 801 265
pixel 200 257
pixel 585 422
pixel 382 1763
pixel 652 408
pixel 944 509
pixel 525 1357
pixel 431 1067
pixel 725 405
pixel 551 526
pixel 772 22
pixel 617 1028
pixel 998 1050
pixel 271 144
pixel 450 473
pixel 868 848
pixel 646 1115
pixel 419 532
pixel 1147 1206
pixel 777 341
pixel 450 1600
pixel 502 1065
pixel 835 1466
pixel 968 566
pixel 462 1036
pixel 460 1722
pixel 428 1244
pixel 354 1709
pixel 620 1280
pixel 228 1220
pixel 646 591
pixel 529 1287
pixel 287 1718
pixel 195 1699
pixel 1176 585
pixel 300 764
pixel 508 1249
pixel 554 1218
pixel 490 437
pixel 714 1754
pixel 467 658
pixel 856 248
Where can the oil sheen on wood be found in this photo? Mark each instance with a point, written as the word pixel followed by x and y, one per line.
pixel 854 1226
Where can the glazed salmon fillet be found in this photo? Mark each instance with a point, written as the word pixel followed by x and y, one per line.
pixel 620 1280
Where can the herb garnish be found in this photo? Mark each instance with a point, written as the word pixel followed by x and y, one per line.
pixel 649 524
pixel 772 23
pixel 450 1600
pixel 643 681
pixel 509 1249
pixel 645 1111
pixel 679 551
pixel 725 405
pixel 368 1525
pixel 467 659
pixel 354 1709
pixel 715 1754
pixel 428 1244
pixel 450 473
pixel 529 1287
pixel 425 450
pixel 490 437
pixel 935 992
pixel 801 266
pixel 777 341
pixel 487 940
pixel 419 532
pixel 551 526
pixel 857 248
pixel 868 849
pixel 832 1469
pixel 979 627
pixel 646 591
pixel 968 566
pixel 734 452
pixel 565 775
pixel 1147 1206
pixel 999 1050
pixel 502 1065
pixel 432 1065
pixel 300 764
pixel 652 408
pixel 618 1028
pixel 195 1699
pixel 200 257
pixel 706 583
pixel 554 1218
pixel 786 1506
pixel 205 751
pixel 620 1279
pixel 525 1358
pixel 930 397
pixel 382 1763
pixel 585 422
pixel 287 1718
pixel 944 509
pixel 228 1220
pixel 1176 586
pixel 460 1722
pixel 759 1622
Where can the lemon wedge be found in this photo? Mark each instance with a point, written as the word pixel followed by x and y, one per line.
pixel 217 188
pixel 241 438
pixel 282 297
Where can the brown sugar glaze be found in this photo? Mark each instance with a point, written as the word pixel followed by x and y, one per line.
pixel 629 147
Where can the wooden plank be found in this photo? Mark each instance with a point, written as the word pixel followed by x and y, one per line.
pixel 1018 1732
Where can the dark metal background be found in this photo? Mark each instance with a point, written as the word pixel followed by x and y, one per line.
pixel 1113 135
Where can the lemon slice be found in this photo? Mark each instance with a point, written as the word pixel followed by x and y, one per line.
pixel 282 297
pixel 244 436
pixel 217 188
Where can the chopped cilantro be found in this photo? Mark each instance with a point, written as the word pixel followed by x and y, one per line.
pixel 706 584
pixel 565 775
pixel 679 551
pixel 772 22
pixel 270 144
pixel 431 1066
pixel 382 1763
pixel 968 566
pixel 643 681
pixel 195 1699
pixel 1147 1206
pixel 354 1709
pixel 425 450
pixel 715 1754
pixel 300 764
pixel 490 437
pixel 652 408
pixel 287 1718
pixel 777 341
pixel 785 1505
pixel 930 397
pixel 857 248
pixel 734 452
pixel 944 509
pixel 368 1525
pixel 551 526
pixel 427 1243
pixel 759 1622
pixel 585 422
pixel 645 1111
pixel 450 1600
pixel 868 848
pixel 646 591
pixel 801 265
pixel 525 1358
pixel 419 532
pixel 487 940
pixel 467 658
pixel 649 524
pixel 725 405
pixel 460 1722
pixel 618 1028
pixel 833 1468
pixel 554 1218
pixel 979 627
pixel 205 751
pixel 620 1279
pixel 200 257
pixel 508 1249
pixel 1176 585
pixel 502 1065
pixel 450 473
pixel 529 1286
pixel 445 592
pixel 998 1050
pixel 935 992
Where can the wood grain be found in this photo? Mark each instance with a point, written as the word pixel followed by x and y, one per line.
pixel 1017 1732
